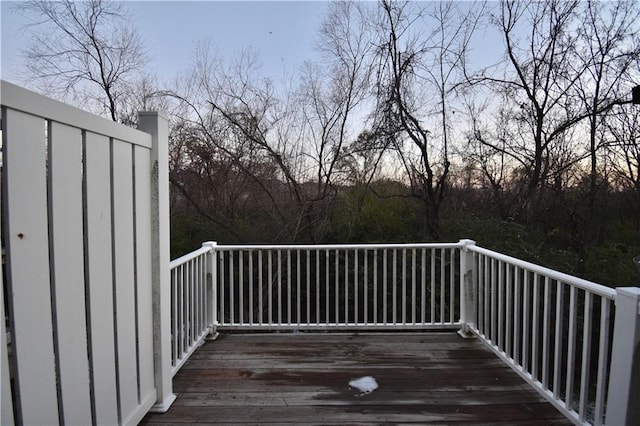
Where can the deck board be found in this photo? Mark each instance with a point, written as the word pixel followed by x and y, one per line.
pixel 424 378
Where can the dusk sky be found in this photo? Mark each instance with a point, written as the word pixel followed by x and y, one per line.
pixel 282 32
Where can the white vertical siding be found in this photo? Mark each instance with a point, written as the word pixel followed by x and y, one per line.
pixel 142 207
pixel 6 406
pixel 124 279
pixel 79 249
pixel 28 261
pixel 67 258
pixel 100 277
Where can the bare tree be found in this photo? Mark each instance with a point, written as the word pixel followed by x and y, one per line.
pixel 489 165
pixel 421 53
pixel 565 68
pixel 608 50
pixel 623 126
pixel 87 49
pixel 144 94
pixel 534 90
pixel 227 160
pixel 299 135
pixel 330 98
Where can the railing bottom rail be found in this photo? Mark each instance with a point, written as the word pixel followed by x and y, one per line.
pixel 337 327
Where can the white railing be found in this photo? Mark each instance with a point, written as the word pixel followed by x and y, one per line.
pixel 190 305
pixel 555 330
pixel 411 286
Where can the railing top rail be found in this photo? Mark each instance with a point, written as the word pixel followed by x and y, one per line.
pixel 187 257
pixel 336 246
pixel 20 99
pixel 592 287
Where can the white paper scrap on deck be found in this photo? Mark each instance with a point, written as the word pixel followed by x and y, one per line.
pixel 365 385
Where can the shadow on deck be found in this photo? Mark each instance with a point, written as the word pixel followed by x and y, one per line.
pixel 423 378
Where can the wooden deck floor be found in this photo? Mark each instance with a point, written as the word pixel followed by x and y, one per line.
pixel 424 378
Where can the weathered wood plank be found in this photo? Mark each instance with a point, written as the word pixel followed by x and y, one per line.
pixel 318 362
pixel 298 397
pixel 188 387
pixel 333 380
pixel 286 379
pixel 423 414
pixel 546 422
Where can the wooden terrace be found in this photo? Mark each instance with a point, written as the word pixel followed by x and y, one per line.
pixel 303 378
pixel 100 327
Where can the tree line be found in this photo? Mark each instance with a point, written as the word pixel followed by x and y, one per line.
pixel 509 122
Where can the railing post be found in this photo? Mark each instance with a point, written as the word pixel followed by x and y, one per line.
pixel 212 288
pixel 623 400
pixel 468 295
pixel 156 125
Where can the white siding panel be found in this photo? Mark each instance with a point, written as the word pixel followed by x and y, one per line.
pixel 123 239
pixel 21 99
pixel 99 273
pixel 6 405
pixel 79 272
pixel 142 158
pixel 65 153
pixel 27 241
